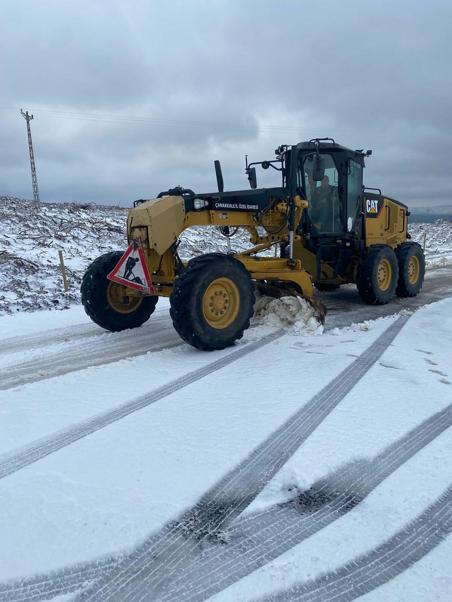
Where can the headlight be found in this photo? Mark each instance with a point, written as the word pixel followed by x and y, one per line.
pixel 200 204
pixel 139 233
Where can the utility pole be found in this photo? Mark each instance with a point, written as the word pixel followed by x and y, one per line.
pixel 34 179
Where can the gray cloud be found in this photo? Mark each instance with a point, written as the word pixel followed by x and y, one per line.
pixel 131 98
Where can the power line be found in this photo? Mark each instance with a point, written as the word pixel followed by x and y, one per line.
pixel 34 179
pixel 168 122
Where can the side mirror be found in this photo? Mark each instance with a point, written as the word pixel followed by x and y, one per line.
pixel 252 177
pixel 318 170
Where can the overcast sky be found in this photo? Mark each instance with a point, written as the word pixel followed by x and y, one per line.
pixel 133 97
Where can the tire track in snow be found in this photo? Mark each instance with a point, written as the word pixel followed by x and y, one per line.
pixel 60 335
pixel 16 460
pixel 109 347
pixel 55 583
pixel 260 538
pixel 50 337
pixel 345 307
pixel 255 540
pixel 370 570
pixel 152 566
pixel 102 350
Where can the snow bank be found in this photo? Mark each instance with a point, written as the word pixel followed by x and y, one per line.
pixel 292 313
pixel 438 242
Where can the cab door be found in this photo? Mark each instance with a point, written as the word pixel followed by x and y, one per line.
pixel 354 193
pixel 324 197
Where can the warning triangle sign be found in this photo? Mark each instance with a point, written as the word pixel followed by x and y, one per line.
pixel 132 270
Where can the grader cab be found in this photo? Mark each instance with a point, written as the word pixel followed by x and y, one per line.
pixel 326 229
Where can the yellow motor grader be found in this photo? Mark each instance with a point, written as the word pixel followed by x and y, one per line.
pixel 325 227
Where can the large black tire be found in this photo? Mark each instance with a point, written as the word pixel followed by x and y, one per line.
pixel 411 269
pixel 378 275
pixel 98 296
pixel 212 302
pixel 326 287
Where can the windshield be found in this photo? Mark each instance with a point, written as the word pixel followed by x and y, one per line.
pixel 323 196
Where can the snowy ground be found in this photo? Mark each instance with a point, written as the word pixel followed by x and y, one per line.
pixel 350 427
pixel 31 236
pixel 304 463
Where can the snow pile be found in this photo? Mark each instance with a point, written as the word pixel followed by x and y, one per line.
pixel 292 313
pixel 437 237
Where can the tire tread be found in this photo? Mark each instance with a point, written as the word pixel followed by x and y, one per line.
pixel 404 288
pixel 366 283
pixel 181 300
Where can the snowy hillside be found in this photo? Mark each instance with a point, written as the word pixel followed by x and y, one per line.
pixel 437 237
pixel 31 236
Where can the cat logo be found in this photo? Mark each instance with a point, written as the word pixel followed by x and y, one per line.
pixel 373 207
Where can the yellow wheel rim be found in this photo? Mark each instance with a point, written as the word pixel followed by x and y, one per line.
pixel 120 301
pixel 384 275
pixel 221 303
pixel 414 270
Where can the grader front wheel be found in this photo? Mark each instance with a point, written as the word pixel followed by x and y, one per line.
pixel 212 302
pixel 107 303
pixel 221 303
pixel 119 300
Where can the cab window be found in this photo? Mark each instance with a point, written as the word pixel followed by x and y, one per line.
pixel 354 191
pixel 323 197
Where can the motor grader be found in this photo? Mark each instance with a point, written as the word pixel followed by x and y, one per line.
pixel 319 228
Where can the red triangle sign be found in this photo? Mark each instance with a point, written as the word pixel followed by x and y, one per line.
pixel 132 270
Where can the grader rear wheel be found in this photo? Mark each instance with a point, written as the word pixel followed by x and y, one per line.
pixel 411 269
pixel 384 275
pixel 107 303
pixel 212 302
pixel 378 275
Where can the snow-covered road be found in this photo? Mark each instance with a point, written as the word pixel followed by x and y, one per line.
pixel 134 467
pixel 83 345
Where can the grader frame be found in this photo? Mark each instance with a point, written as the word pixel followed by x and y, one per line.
pixel 326 228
